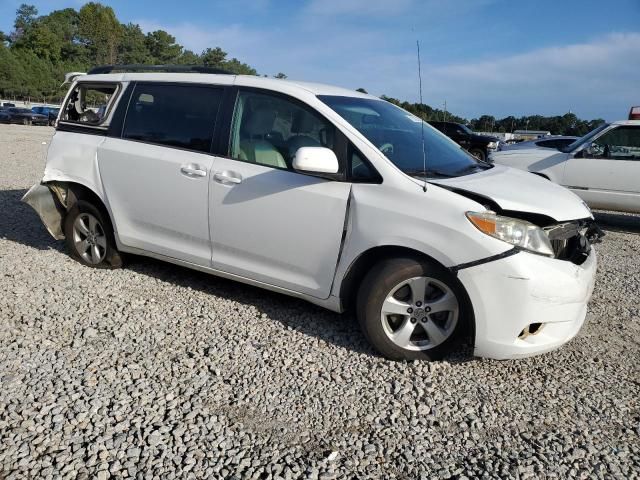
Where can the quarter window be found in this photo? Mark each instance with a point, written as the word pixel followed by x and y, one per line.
pixel 269 130
pixel 89 103
pixel 181 116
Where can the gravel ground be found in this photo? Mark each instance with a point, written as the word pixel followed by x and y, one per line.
pixel 155 371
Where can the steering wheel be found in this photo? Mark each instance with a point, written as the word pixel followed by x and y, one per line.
pixel 386 148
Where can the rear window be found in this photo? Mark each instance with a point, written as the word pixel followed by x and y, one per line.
pixel 181 116
pixel 90 103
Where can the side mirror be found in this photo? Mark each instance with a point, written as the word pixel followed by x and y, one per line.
pixel 316 160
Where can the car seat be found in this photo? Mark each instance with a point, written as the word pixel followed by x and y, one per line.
pixel 254 148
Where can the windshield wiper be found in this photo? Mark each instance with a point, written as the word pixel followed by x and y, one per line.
pixel 428 172
pixel 474 167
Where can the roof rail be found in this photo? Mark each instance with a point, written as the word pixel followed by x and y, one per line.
pixel 158 68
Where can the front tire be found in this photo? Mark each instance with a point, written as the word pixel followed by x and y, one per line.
pixel 479 154
pixel 89 236
pixel 411 309
pixel 26 121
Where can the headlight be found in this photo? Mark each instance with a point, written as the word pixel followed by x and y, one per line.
pixel 517 232
pixel 492 145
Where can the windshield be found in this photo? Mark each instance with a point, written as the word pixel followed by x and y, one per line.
pixel 398 135
pixel 466 129
pixel 583 140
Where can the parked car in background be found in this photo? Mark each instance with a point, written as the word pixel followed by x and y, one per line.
pixel 50 112
pixel 8 104
pixel 321 193
pixel 23 116
pixel 603 167
pixel 552 142
pixel 480 146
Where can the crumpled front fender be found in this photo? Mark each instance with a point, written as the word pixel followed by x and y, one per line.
pixel 44 201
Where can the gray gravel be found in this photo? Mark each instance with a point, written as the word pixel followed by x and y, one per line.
pixel 155 371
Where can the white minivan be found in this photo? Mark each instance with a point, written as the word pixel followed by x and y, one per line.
pixel 322 193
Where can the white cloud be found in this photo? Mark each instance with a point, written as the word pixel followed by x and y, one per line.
pixel 588 78
pixel 358 7
pixel 594 78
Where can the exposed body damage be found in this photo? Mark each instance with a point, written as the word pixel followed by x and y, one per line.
pixel 47 201
pixel 66 167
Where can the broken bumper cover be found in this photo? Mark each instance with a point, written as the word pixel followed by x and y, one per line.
pixel 511 294
pixel 43 201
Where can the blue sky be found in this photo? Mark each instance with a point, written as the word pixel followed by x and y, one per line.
pixel 498 57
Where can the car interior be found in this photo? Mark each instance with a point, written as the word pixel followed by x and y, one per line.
pixel 87 104
pixel 269 130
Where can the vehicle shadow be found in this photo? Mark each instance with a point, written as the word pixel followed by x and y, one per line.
pixel 618 222
pixel 20 224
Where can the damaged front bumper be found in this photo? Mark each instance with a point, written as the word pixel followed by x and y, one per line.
pixel 48 201
pixel 528 304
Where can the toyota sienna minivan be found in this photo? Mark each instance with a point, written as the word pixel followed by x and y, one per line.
pixel 321 193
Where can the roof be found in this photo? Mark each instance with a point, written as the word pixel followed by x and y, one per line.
pixel 635 123
pixel 225 79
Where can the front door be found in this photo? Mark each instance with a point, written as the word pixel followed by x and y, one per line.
pixel 156 177
pixel 606 173
pixel 268 222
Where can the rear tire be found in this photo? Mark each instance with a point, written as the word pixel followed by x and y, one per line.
pixel 411 309
pixel 26 121
pixel 89 236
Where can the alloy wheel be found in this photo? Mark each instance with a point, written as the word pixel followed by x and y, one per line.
pixel 89 238
pixel 420 313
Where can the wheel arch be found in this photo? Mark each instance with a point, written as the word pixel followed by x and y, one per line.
pixel 67 193
pixel 367 259
pixel 543 175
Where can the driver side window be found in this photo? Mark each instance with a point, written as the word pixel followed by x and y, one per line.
pixel 269 129
pixel 622 143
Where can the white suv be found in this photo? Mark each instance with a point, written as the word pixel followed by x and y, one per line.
pixel 322 193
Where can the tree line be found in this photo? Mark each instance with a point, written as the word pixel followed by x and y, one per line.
pixel 567 124
pixel 41 48
pixel 38 52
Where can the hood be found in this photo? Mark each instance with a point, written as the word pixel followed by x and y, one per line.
pixel 535 151
pixel 521 191
pixel 484 138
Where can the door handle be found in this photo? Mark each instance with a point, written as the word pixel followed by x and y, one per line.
pixel 226 177
pixel 192 170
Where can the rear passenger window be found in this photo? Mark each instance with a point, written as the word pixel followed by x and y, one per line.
pixel 180 116
pixel 89 103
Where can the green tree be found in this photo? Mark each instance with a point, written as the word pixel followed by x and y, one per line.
pixel 25 16
pixel 133 49
pixel 236 66
pixel 213 57
pixel 280 75
pixel 189 58
pixel 100 31
pixel 162 47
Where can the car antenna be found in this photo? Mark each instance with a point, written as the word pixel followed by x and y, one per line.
pixel 424 152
